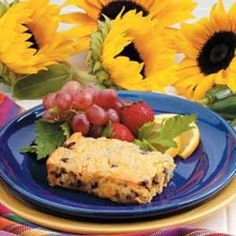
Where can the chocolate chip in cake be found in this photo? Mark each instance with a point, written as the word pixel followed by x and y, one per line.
pixel 144 152
pixel 79 184
pixel 63 171
pixel 155 180
pixel 129 198
pixel 144 183
pixel 94 185
pixel 69 145
pixel 58 175
pixel 117 195
pixel 65 159
pixel 114 166
pixel 135 193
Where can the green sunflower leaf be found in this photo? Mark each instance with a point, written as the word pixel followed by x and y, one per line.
pixel 38 85
pixel 3 8
pixel 6 75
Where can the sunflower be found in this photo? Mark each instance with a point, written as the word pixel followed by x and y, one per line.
pixel 209 46
pixel 29 38
pixel 125 56
pixel 167 12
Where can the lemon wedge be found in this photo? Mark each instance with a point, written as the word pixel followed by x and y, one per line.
pixel 187 142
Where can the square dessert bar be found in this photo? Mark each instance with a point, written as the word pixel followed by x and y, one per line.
pixel 110 168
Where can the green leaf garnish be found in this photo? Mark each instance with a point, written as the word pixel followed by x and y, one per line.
pixel 30 149
pixel 152 136
pixel 49 136
pixel 66 129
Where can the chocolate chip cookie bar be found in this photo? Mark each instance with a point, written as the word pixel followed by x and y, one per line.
pixel 109 168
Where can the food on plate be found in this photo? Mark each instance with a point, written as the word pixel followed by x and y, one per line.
pixel 119 131
pixel 112 148
pixel 135 115
pixel 110 168
pixel 101 113
pixel 187 142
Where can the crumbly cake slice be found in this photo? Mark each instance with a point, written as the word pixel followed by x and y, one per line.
pixel 109 168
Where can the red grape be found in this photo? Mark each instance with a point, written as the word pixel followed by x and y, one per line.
pixel 97 115
pixel 107 98
pixel 71 87
pixel 80 124
pixel 113 116
pixel 49 101
pixel 117 106
pixel 93 90
pixel 63 100
pixel 82 100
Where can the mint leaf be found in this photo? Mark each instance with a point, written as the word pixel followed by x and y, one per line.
pixel 174 127
pixel 30 149
pixel 66 129
pixel 153 136
pixel 148 130
pixel 49 136
pixel 145 145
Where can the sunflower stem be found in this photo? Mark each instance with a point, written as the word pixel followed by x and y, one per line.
pixel 204 101
pixel 84 77
pixel 6 3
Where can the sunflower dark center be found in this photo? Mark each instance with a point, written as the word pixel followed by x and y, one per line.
pixel 113 8
pixel 32 39
pixel 217 53
pixel 132 53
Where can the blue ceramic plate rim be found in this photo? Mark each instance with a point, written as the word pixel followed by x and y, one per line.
pixel 112 211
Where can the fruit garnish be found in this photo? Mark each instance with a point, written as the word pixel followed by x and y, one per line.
pixel 107 99
pixel 136 115
pixel 187 142
pixel 80 123
pixel 118 131
pixel 113 116
pixel 96 113
pixel 63 100
pixel 153 137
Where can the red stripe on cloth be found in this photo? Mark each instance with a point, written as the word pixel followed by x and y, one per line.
pixel 8 110
pixel 12 227
pixel 3 210
pixel 2 96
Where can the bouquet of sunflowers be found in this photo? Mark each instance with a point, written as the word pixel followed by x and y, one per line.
pixel 129 44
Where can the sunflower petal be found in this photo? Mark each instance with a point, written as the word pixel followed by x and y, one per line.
pixel 205 85
pixel 37 19
pixel 194 81
pixel 156 57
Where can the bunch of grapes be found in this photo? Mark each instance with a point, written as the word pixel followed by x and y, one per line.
pixel 87 109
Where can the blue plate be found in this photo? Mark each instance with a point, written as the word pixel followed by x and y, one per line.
pixel 196 179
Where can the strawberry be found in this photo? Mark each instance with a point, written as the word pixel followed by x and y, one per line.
pixel 134 116
pixel 119 131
